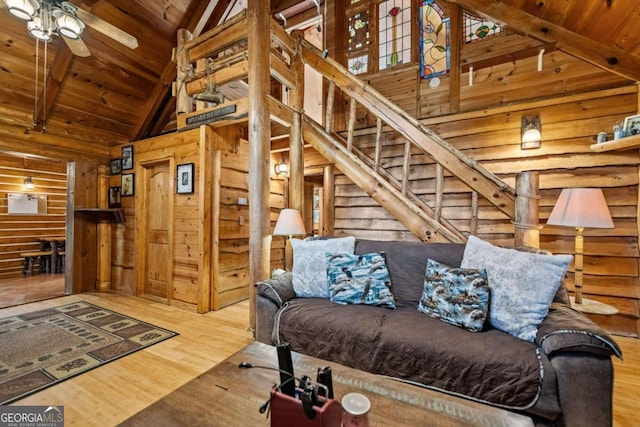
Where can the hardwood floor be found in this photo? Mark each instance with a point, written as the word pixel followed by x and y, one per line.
pixel 108 395
pixel 26 289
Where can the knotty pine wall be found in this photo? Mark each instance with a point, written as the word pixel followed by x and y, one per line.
pixel 20 233
pixel 229 281
pixel 575 101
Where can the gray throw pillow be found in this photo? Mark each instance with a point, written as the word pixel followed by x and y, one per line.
pixel 522 285
pixel 459 296
pixel 310 265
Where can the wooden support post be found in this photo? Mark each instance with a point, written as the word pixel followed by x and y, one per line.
pixel 258 17
pixel 474 212
pixel 183 101
pixel 352 124
pixel 103 281
pixel 378 152
pixel 296 145
pixel 328 118
pixel 527 228
pixel 406 164
pixel 329 195
pixel 437 212
pixel 206 191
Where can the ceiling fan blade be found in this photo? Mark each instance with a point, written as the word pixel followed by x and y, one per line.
pixel 107 29
pixel 77 47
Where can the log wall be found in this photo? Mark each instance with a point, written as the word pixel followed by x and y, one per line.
pixel 20 233
pixel 575 101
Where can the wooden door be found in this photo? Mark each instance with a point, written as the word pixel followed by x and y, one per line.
pixel 158 225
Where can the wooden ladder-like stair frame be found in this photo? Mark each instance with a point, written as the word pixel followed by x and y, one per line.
pixel 393 194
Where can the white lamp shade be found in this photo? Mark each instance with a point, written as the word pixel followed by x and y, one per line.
pixel 581 207
pixel 289 223
pixel 69 26
pixel 21 9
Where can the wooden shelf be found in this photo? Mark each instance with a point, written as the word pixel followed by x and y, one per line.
pixel 628 143
pixel 116 214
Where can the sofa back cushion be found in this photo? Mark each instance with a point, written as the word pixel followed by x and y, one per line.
pixel 407 263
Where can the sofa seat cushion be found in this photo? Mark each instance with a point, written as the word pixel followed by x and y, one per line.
pixel 489 366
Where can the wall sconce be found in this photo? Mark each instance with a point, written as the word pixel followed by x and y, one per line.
pixel 28 183
pixel 530 132
pixel 281 168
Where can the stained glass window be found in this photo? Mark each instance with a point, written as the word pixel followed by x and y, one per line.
pixel 476 28
pixel 394 33
pixel 434 40
pixel 358 31
pixel 358 65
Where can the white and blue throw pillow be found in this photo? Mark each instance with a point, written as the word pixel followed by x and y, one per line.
pixel 359 279
pixel 522 284
pixel 310 266
pixel 459 296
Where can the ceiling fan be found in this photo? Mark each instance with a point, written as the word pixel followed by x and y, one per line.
pixel 46 18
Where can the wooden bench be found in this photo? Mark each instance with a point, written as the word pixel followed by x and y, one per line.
pixel 30 259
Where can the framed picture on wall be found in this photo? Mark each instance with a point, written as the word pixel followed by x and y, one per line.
pixel 184 178
pixel 127 157
pixel 632 125
pixel 115 166
pixel 114 197
pixel 127 184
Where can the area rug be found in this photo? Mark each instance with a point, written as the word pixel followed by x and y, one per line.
pixel 42 348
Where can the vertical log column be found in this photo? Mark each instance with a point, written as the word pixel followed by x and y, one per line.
pixel 183 101
pixel 329 202
pixel 527 228
pixel 259 148
pixel 103 281
pixel 296 146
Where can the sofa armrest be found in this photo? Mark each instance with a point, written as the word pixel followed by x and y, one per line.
pixel 566 330
pixel 271 295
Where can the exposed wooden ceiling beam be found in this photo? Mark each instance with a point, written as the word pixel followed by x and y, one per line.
pixel 201 20
pixel 607 57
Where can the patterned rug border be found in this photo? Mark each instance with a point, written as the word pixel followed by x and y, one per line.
pixel 42 372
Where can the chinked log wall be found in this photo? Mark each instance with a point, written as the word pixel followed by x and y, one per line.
pixel 492 137
pixel 20 233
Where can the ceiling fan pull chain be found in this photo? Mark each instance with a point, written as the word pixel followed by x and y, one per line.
pixel 44 90
pixel 35 96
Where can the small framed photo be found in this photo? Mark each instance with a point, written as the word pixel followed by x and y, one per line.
pixel 114 197
pixel 127 157
pixel 632 125
pixel 184 178
pixel 115 166
pixel 127 184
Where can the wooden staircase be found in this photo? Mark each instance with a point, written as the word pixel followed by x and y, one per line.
pixel 288 53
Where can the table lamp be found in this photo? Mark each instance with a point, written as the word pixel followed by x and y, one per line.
pixel 289 224
pixel 580 208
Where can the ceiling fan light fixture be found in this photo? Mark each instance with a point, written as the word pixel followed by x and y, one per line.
pixel 22 9
pixel 69 26
pixel 37 30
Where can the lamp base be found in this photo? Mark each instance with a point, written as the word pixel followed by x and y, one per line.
pixel 593 307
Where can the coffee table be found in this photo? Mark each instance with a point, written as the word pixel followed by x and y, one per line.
pixel 229 396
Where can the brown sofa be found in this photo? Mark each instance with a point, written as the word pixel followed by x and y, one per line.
pixel 564 378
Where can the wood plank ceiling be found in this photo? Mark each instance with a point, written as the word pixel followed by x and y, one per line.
pixel 119 94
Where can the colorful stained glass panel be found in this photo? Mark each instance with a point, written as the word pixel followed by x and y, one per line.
pixel 434 40
pixel 358 65
pixel 476 28
pixel 358 29
pixel 394 33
